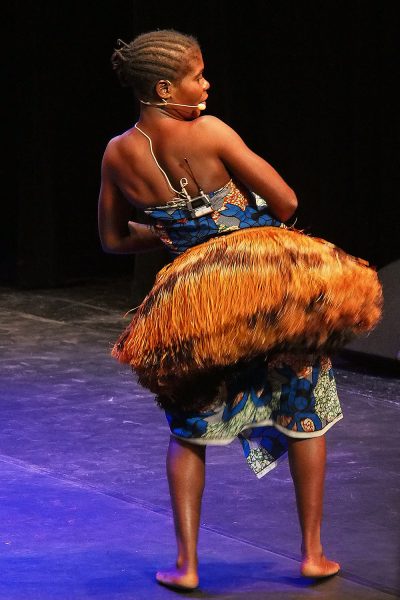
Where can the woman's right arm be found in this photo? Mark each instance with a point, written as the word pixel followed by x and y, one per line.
pixel 252 170
pixel 119 235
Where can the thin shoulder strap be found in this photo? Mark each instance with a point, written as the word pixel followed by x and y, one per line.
pixel 183 181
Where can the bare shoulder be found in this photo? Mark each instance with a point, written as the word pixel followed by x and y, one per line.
pixel 210 123
pixel 212 128
pixel 117 146
pixel 111 149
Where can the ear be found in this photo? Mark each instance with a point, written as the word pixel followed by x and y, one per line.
pixel 163 88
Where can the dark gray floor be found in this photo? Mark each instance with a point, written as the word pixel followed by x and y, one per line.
pixel 84 501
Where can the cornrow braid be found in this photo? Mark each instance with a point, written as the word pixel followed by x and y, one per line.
pixel 162 54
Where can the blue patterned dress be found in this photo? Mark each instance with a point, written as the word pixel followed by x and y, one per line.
pixel 291 395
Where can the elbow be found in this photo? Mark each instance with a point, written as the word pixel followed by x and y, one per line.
pixel 107 249
pixel 290 206
pixel 109 245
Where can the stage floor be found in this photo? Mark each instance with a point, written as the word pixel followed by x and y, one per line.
pixel 84 508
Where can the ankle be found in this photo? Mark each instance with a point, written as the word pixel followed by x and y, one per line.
pixel 187 565
pixel 311 550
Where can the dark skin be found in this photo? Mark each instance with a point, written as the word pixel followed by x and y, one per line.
pixel 130 177
pixel 216 152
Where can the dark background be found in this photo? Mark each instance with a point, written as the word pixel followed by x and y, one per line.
pixel 308 85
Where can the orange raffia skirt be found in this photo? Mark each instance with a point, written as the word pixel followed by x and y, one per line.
pixel 246 296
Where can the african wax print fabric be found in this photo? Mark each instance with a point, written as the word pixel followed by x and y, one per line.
pixel 289 396
pixel 234 208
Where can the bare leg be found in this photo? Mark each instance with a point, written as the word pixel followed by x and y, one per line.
pixel 186 477
pixel 307 459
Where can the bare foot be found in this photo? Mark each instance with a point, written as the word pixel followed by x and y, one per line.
pixel 179 579
pixel 318 566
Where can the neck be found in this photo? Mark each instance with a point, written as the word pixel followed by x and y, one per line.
pixel 165 112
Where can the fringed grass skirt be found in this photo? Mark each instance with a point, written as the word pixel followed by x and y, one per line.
pixel 239 299
pixel 232 338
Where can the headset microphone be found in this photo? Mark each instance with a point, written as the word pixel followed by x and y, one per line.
pixel 201 106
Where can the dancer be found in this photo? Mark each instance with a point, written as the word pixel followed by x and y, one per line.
pixel 234 334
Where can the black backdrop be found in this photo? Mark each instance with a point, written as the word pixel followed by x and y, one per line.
pixel 308 85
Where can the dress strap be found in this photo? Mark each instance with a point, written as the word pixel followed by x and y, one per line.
pixel 183 181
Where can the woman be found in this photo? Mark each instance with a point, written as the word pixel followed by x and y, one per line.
pixel 212 338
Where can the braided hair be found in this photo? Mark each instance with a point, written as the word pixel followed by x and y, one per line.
pixel 162 54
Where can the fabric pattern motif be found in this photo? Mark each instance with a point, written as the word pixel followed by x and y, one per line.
pixel 232 211
pixel 290 396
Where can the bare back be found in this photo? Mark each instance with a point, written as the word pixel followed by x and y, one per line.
pixel 216 153
pixel 138 177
